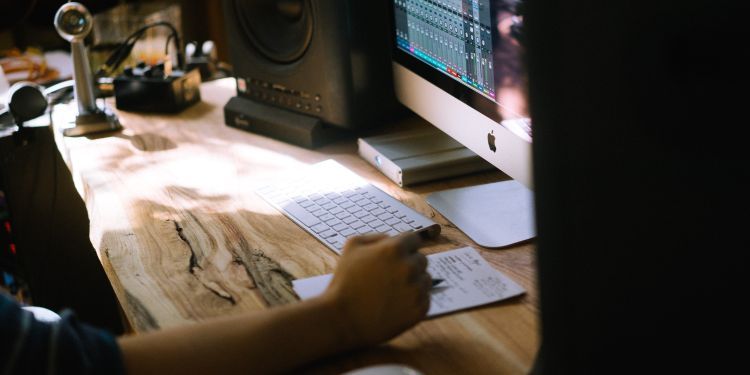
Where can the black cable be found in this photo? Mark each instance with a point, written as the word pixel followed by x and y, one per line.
pixel 119 55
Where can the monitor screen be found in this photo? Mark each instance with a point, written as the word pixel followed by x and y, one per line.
pixel 469 48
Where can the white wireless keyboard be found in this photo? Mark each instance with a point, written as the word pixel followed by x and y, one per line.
pixel 332 203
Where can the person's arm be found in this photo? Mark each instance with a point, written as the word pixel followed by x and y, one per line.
pixel 380 289
pixel 65 346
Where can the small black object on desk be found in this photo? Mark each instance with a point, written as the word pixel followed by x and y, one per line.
pixel 156 89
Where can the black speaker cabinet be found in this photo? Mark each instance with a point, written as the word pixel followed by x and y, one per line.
pixel 305 68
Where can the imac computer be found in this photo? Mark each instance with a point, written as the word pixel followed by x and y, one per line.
pixel 458 64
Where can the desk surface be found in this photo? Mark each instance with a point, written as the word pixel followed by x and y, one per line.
pixel 183 238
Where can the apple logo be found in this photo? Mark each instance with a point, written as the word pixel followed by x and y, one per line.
pixel 491 141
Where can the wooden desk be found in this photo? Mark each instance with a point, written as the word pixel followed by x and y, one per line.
pixel 183 238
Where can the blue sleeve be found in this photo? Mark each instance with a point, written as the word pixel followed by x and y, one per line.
pixel 28 346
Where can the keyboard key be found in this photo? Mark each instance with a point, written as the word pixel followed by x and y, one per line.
pixel 312 208
pixel 376 223
pixel 349 220
pixel 377 211
pixel 368 219
pixel 343 215
pixel 319 212
pixel 392 221
pixel 340 200
pixel 328 206
pixel 319 228
pixel 365 230
pixel 306 203
pixel 340 227
pixel 332 239
pixel 361 214
pixel 333 222
pixel 370 207
pixel 354 209
pixel 301 214
pixel 315 197
pixel 400 215
pixel 385 216
pixel 392 233
pixel 401 227
pixel 336 239
pixel 362 202
pixel 348 232
pixel 328 233
pixel 336 210
pixel 383 228
pixel 347 204
pixel 356 197
pixel 357 224
pixel 415 226
pixel 393 210
pixel 408 220
pixel 326 217
pixel 332 196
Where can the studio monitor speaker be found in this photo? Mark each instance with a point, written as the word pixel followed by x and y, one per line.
pixel 304 66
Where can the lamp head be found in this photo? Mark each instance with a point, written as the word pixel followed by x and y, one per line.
pixel 73 22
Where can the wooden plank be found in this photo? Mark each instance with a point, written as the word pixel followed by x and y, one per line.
pixel 180 234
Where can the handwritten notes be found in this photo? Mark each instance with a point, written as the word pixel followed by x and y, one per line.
pixel 469 282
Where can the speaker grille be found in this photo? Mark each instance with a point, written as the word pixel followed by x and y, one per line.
pixel 281 30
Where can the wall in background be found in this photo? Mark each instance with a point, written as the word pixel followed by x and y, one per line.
pixel 201 20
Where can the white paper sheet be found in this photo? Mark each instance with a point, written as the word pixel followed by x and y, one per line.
pixel 469 282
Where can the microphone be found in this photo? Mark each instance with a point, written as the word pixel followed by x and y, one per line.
pixel 74 22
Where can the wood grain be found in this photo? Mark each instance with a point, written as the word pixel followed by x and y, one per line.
pixel 183 237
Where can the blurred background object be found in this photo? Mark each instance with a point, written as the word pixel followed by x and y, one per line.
pixel 29 65
pixel 28 23
pixel 115 25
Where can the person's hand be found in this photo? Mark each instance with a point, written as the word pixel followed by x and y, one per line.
pixel 380 288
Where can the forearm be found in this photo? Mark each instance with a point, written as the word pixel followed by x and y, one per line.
pixel 269 341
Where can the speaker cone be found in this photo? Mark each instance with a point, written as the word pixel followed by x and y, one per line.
pixel 281 30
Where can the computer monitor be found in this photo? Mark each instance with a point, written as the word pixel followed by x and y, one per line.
pixel 458 64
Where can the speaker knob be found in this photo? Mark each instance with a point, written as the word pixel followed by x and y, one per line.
pixel 281 30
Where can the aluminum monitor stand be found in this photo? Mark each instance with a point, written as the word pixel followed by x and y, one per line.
pixel 493 215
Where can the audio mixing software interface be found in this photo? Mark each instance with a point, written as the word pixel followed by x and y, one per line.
pixel 452 36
